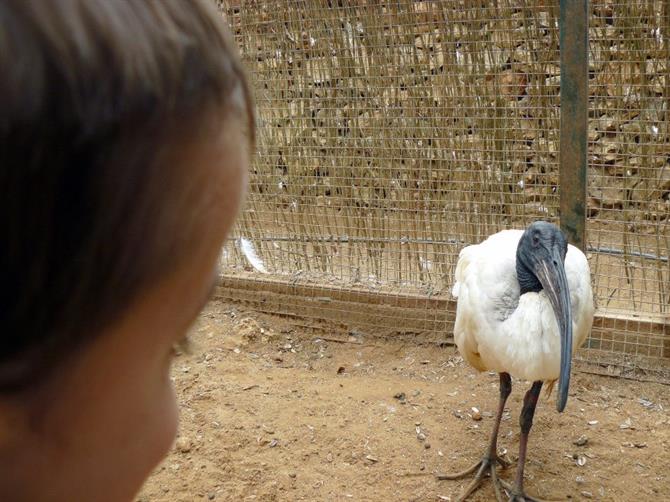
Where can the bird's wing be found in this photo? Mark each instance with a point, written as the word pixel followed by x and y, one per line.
pixel 466 325
pixel 481 286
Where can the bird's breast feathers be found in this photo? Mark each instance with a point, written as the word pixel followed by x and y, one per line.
pixel 496 328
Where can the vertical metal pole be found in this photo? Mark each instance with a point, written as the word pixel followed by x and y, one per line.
pixel 574 34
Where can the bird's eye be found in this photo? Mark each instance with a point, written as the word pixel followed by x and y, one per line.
pixel 536 239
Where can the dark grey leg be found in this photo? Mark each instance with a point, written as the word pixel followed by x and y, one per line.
pixel 487 465
pixel 526 422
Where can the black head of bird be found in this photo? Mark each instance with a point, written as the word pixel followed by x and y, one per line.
pixel 540 266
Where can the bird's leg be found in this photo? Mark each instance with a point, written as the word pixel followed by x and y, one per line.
pixel 487 465
pixel 515 491
pixel 505 391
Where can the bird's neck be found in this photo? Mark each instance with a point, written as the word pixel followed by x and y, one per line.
pixel 528 282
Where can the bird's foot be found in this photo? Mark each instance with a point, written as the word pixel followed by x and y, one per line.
pixel 517 495
pixel 485 467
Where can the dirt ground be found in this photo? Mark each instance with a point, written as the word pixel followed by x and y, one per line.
pixel 270 411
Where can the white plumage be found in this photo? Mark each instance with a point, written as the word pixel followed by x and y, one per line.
pixel 495 330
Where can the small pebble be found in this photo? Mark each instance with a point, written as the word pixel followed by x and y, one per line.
pixel 476 414
pixel 587 495
pixel 183 445
pixel 645 402
pixel 426 446
pixel 581 441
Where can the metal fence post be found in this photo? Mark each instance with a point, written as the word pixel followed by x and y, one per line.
pixel 574 116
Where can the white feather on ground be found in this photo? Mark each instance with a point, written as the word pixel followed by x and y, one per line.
pixel 249 252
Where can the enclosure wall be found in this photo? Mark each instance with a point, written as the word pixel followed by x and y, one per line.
pixel 392 134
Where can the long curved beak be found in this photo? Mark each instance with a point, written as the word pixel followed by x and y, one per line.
pixel 551 273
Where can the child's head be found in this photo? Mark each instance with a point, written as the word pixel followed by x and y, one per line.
pixel 124 139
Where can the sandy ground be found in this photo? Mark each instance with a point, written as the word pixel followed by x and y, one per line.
pixel 270 411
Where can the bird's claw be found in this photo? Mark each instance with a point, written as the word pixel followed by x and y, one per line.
pixel 486 466
pixel 522 498
pixel 516 495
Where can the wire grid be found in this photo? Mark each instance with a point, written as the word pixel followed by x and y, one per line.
pixel 392 134
pixel 629 182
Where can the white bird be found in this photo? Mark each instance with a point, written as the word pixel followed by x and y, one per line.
pixel 524 305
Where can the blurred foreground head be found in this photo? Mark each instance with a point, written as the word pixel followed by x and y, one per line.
pixel 125 133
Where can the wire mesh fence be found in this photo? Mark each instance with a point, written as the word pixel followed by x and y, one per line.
pixel 629 176
pixel 392 134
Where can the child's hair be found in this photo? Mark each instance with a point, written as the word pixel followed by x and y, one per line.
pixel 92 93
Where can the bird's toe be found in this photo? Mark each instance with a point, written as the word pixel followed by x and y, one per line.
pixel 485 467
pixel 516 495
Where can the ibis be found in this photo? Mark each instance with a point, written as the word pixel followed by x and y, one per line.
pixel 524 305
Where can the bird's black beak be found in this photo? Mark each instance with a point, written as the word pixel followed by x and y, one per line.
pixel 551 273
